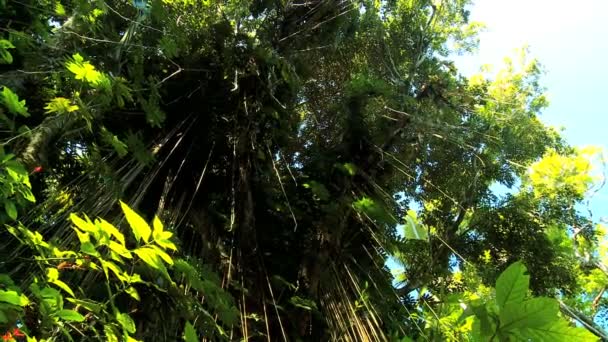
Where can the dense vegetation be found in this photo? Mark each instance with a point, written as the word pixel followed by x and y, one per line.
pixel 271 156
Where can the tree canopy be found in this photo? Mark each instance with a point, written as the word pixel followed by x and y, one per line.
pixel 235 170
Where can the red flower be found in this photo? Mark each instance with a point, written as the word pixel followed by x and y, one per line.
pixel 37 169
pixel 18 333
pixel 7 336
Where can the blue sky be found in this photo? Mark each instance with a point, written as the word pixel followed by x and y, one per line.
pixel 570 39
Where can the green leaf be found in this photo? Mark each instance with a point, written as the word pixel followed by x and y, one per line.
pixel 52 275
pixel 190 333
pixel 88 248
pixel 12 103
pixel 166 258
pixel 512 285
pixel 110 333
pixel 413 230
pixel 158 227
pixel 70 316
pixel 139 227
pixel 306 304
pixel 557 331
pixel 151 257
pixel 11 209
pixel 5 56
pixel 87 304
pixel 133 293
pixel 126 322
pixel 13 297
pixel 119 249
pixel 163 240
pixel 535 312
pixel 110 229
pixel 108 265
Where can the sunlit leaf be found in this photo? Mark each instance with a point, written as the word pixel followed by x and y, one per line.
pixel 12 103
pixel 12 297
pixel 139 227
pixel 70 316
pixel 190 333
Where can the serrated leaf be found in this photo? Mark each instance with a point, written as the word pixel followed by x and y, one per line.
pixel 119 249
pixel 110 229
pixel 512 285
pixel 151 258
pixel 12 103
pixel 166 258
pixel 14 298
pixel 139 227
pixel 190 333
pixel 158 226
pixel 70 316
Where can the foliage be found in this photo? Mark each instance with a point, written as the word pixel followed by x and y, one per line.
pixel 62 307
pixel 291 148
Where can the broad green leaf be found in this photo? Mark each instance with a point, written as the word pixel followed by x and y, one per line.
pixel 12 103
pixel 11 209
pixel 557 331
pixel 531 313
pixel 484 321
pixel 413 230
pixel 70 316
pixel 126 322
pixel 190 333
pixel 512 285
pixel 14 298
pixel 141 229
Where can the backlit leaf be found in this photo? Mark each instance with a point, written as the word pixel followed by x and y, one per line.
pixel 512 285
pixel 190 333
pixel 139 227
